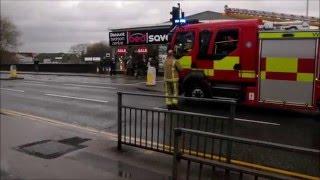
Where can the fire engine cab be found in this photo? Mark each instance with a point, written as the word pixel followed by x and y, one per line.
pixel 246 60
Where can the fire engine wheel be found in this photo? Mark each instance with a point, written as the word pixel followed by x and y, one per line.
pixel 197 91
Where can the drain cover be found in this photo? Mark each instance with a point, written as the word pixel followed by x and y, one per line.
pixel 74 140
pixel 48 149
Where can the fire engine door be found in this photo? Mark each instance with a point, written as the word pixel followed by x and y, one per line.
pixel 287 70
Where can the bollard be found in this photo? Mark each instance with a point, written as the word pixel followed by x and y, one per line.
pixel 13 71
pixel 151 76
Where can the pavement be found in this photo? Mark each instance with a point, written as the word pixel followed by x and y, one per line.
pixel 98 157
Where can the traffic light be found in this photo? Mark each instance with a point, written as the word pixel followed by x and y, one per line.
pixel 175 15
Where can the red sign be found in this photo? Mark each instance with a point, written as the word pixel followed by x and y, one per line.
pixel 121 51
pixel 137 38
pixel 142 50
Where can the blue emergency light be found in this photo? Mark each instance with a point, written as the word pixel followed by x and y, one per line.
pixel 180 21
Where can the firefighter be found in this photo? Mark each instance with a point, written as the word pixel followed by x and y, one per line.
pixel 171 78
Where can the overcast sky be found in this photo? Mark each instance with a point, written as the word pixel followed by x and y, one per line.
pixel 53 26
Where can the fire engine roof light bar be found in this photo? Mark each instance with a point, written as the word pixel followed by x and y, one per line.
pixel 183 21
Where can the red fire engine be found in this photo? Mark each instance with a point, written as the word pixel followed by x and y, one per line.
pixel 252 62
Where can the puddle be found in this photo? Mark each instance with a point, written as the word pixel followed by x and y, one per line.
pixel 119 168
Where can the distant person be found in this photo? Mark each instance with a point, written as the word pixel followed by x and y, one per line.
pixel 113 67
pixel 129 66
pixel 171 80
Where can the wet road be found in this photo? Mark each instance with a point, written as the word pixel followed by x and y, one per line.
pixel 92 102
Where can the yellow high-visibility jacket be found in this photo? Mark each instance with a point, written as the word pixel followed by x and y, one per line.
pixel 171 68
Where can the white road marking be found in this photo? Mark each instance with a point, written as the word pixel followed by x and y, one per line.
pixel 117 84
pixel 100 87
pixel 258 122
pixel 78 98
pixel 38 84
pixel 101 83
pixel 15 90
pixel 236 119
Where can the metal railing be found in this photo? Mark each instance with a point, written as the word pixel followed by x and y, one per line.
pixel 152 129
pixel 209 161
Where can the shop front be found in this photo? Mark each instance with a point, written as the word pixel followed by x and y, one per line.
pixel 136 48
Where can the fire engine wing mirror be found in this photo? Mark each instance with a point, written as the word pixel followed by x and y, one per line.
pixel 237 67
pixel 178 51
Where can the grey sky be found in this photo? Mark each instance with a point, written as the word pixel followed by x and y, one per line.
pixel 53 26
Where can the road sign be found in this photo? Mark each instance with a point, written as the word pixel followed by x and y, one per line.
pixel 87 59
pixel 96 59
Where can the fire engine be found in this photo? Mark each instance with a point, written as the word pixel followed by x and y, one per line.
pixel 250 61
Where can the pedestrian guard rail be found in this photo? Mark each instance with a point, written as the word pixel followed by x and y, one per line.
pixel 152 129
pixel 204 164
pixel 209 138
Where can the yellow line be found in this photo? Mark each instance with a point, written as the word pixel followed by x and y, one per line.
pixel 111 136
pixel 167 148
pixel 237 162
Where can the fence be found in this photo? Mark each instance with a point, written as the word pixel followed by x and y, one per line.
pixel 74 68
pixel 152 129
pixel 227 166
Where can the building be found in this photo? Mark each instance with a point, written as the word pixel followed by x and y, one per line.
pixel 57 58
pixel 148 42
pixel 25 57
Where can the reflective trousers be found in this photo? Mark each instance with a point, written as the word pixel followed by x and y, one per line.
pixel 171 89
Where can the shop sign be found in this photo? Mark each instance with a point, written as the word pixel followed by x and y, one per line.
pixel 118 38
pixel 137 38
pixel 121 51
pixel 158 36
pixel 142 50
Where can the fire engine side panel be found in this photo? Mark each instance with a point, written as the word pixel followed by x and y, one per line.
pixel 287 70
pixel 304 48
pixel 317 83
pixel 286 91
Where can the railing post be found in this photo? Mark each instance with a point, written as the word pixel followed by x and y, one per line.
pixel 176 154
pixel 230 131
pixel 119 119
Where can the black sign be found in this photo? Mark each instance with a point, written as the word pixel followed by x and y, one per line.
pixel 117 38
pixel 159 36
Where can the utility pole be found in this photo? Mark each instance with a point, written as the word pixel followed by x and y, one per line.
pixel 307 8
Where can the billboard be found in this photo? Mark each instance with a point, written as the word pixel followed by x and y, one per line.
pixel 158 36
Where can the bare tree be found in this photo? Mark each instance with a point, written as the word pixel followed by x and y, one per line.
pixel 9 35
pixel 97 50
pixel 9 41
pixel 79 50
